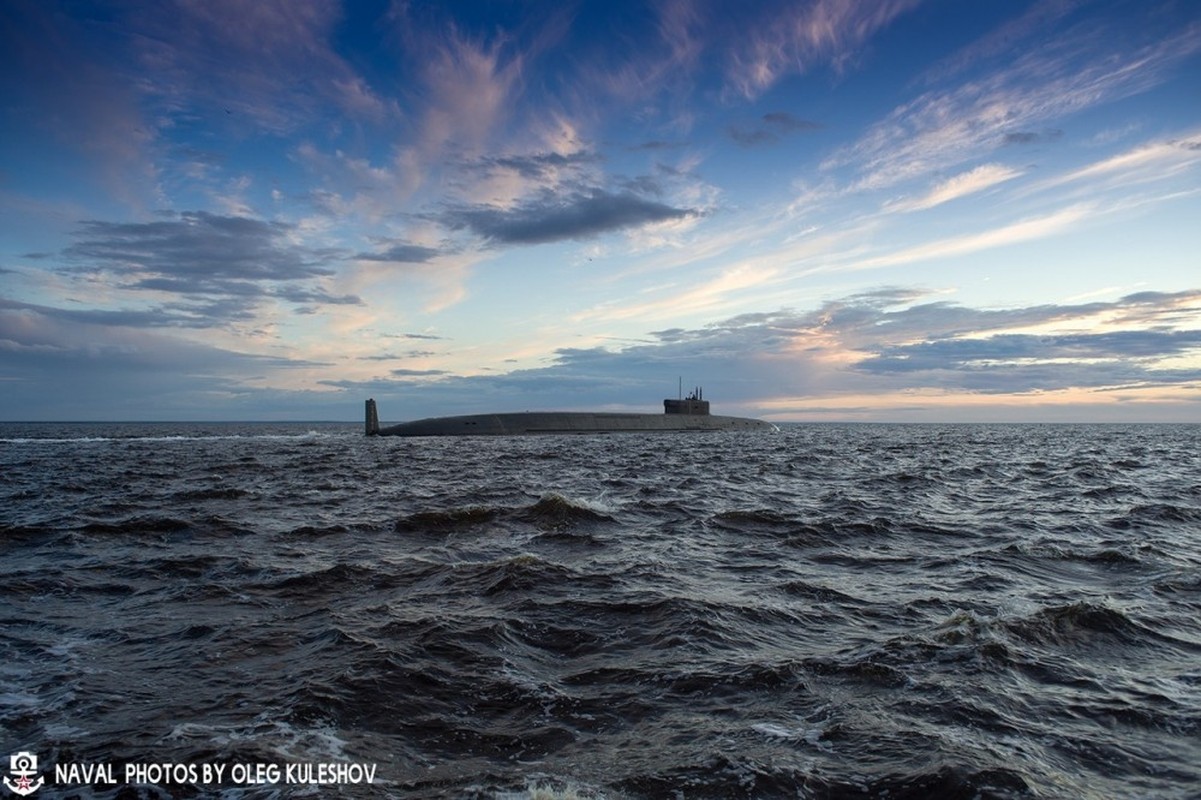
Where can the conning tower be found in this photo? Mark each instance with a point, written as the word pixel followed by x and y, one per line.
pixel 693 405
pixel 372 419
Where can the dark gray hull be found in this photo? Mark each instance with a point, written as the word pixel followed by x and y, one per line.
pixel 535 422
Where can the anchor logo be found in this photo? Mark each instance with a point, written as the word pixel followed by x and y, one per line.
pixel 24 766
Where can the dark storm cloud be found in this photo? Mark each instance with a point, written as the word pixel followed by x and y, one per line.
pixel 552 218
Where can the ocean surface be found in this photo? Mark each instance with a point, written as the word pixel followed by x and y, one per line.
pixel 831 611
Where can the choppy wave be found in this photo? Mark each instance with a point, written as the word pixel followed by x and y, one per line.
pixel 830 612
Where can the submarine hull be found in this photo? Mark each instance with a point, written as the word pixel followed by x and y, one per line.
pixel 569 422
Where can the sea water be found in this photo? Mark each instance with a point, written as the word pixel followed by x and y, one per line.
pixel 830 611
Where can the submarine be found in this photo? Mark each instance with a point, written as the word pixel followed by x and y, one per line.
pixel 679 415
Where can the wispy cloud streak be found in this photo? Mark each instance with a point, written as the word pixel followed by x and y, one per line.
pixel 946 127
pixel 961 185
pixel 795 37
pixel 1022 231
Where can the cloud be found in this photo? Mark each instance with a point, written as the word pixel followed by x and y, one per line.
pixel 792 38
pixel 1079 69
pixel 517 177
pixel 551 218
pixel 127 86
pixel 743 50
pixel 471 85
pixel 1039 20
pixel 411 336
pixel 113 340
pixel 221 267
pixel 1124 348
pixel 1032 137
pixel 690 297
pixel 66 364
pixel 402 253
pixel 399 356
pixel 775 125
pixel 787 123
pixel 200 246
pixel 1021 231
pixel 948 347
pixel 751 138
pixel 961 185
pixel 537 166
pixel 621 64
pixel 417 373
pixel 1153 161
pixel 657 145
pixel 271 65
pixel 881 343
pixel 80 98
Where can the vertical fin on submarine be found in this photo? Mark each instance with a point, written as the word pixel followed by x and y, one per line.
pixel 372 419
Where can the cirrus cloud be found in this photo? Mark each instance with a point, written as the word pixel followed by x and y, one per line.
pixel 961 185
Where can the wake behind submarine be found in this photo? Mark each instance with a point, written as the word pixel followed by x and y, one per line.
pixel 679 415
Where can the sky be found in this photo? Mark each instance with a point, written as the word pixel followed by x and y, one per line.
pixel 817 210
